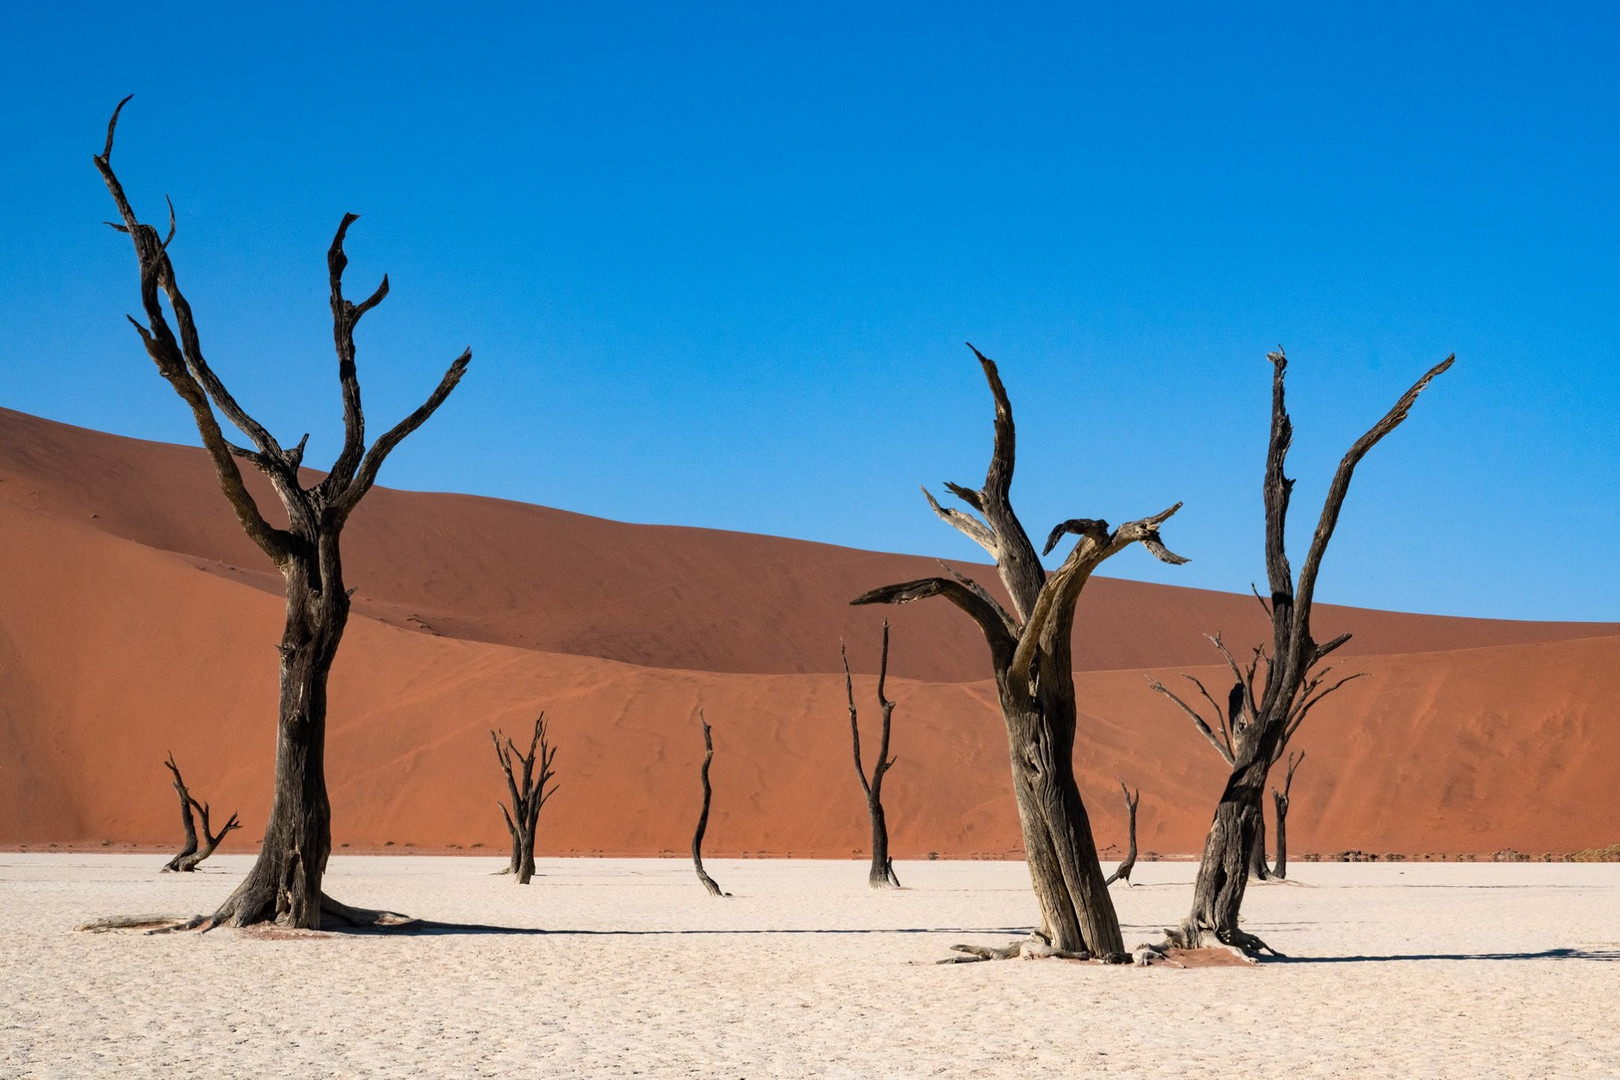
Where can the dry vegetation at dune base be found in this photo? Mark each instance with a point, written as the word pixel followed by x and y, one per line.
pixel 621 967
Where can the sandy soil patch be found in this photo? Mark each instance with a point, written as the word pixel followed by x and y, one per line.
pixel 626 967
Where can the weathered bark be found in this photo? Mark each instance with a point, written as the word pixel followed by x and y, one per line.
pixel 882 875
pixel 1257 853
pixel 527 792
pixel 285 883
pixel 1123 871
pixel 1280 870
pixel 1032 655
pixel 1256 726
pixel 703 815
pixel 194 853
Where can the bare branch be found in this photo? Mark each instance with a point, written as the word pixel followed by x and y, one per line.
pixel 384 446
pixel 179 360
pixel 966 524
pixel 1095 528
pixel 1225 718
pixel 1307 704
pixel 989 616
pixel 1198 721
pixel 854 720
pixel 1340 487
pixel 344 318
pixel 1264 606
pixel 1020 568
pixel 983 594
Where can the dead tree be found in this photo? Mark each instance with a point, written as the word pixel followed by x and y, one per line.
pixel 285 883
pixel 1260 720
pixel 1233 719
pixel 187 860
pixel 882 874
pixel 1031 652
pixel 1280 870
pixel 527 792
pixel 703 815
pixel 1123 871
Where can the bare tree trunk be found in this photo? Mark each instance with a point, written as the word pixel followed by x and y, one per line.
pixel 194 853
pixel 528 793
pixel 1257 724
pixel 186 818
pixel 703 815
pixel 1123 871
pixel 1031 652
pixel 881 875
pixel 285 883
pixel 1257 853
pixel 1280 871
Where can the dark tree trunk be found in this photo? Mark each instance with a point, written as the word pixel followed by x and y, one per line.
pixel 194 853
pixel 1257 853
pixel 1280 871
pixel 528 793
pixel 285 883
pixel 1224 869
pixel 187 819
pixel 703 814
pixel 881 875
pixel 1259 721
pixel 1123 871
pixel 1031 652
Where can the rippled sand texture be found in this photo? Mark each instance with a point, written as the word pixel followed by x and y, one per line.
pixel 618 967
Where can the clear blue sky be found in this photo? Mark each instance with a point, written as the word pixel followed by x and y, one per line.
pixel 717 261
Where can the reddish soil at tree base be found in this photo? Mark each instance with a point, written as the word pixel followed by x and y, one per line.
pixel 135 619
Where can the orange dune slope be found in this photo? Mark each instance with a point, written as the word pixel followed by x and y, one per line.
pixel 135 619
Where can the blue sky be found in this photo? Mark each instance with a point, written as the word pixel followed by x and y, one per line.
pixel 716 262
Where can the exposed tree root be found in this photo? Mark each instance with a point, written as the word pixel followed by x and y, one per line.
pixel 150 924
pixel 334 915
pixel 1035 947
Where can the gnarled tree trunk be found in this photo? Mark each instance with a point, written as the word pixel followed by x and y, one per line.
pixel 1258 722
pixel 881 875
pixel 1031 654
pixel 1122 872
pixel 194 853
pixel 285 883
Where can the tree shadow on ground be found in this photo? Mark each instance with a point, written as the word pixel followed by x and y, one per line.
pixel 1545 954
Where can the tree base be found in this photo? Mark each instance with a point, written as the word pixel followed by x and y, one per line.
pixel 1191 935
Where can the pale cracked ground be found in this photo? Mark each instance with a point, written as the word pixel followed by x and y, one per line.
pixel 626 967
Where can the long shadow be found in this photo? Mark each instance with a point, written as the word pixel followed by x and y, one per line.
pixel 1545 954
pixel 428 928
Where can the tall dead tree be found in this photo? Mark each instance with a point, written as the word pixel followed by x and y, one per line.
pixel 194 853
pixel 285 883
pixel 1259 720
pixel 703 815
pixel 1123 871
pixel 1280 869
pixel 1031 651
pixel 882 874
pixel 528 793
pixel 1230 724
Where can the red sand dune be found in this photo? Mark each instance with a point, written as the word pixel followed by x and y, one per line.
pixel 135 619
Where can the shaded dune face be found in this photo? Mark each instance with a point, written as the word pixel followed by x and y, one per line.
pixel 135 618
